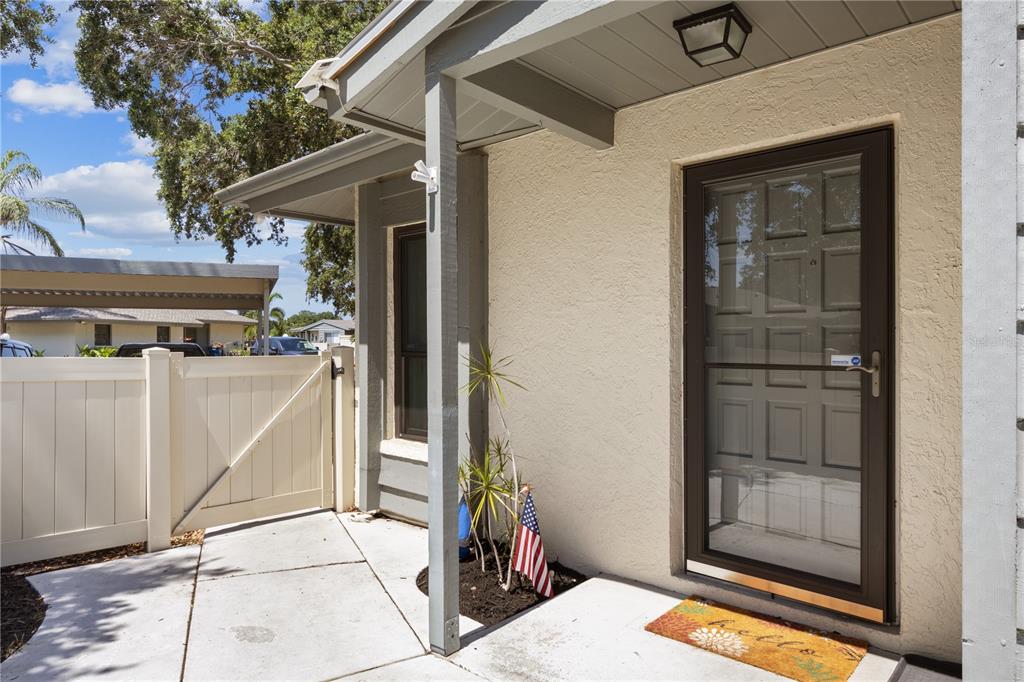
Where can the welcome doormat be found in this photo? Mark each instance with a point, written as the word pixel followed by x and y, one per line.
pixel 794 651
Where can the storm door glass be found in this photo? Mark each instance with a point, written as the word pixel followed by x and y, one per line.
pixel 786 369
pixel 782 288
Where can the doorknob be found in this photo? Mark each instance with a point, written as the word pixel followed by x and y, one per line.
pixel 875 370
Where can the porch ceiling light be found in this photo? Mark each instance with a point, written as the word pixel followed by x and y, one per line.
pixel 714 36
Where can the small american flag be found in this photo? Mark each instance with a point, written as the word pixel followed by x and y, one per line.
pixel 529 559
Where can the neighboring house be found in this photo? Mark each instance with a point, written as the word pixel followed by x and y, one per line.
pixel 786 419
pixel 59 331
pixel 326 331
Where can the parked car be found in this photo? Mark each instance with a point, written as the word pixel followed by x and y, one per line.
pixel 9 348
pixel 134 350
pixel 286 345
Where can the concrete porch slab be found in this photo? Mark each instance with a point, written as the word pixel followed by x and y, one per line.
pixel 277 543
pixel 397 551
pixel 124 619
pixel 311 623
pixel 426 667
pixel 596 631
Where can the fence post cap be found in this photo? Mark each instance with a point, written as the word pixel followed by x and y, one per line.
pixel 156 351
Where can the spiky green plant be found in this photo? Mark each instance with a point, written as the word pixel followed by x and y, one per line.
pixel 489 373
pixel 17 176
pixel 487 491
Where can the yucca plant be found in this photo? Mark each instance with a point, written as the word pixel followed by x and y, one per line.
pixel 488 472
pixel 487 491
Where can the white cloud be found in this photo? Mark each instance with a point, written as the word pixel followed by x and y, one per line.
pixel 16 116
pixel 138 146
pixel 118 198
pixel 68 98
pixel 112 252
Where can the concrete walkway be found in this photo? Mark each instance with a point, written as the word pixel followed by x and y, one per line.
pixel 317 596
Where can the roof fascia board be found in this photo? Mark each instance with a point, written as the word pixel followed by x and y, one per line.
pixel 519 90
pixel 369 168
pixel 111 266
pixel 518 28
pixel 368 71
pixel 337 155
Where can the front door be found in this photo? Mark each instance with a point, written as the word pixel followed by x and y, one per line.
pixel 788 355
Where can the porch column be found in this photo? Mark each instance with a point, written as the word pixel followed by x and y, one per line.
pixel 265 320
pixel 991 508
pixel 442 362
pixel 371 366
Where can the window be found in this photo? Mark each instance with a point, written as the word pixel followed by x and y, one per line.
pixel 788 325
pixel 190 334
pixel 101 335
pixel 163 334
pixel 411 332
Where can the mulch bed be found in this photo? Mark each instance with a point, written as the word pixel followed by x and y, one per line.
pixel 482 599
pixel 21 607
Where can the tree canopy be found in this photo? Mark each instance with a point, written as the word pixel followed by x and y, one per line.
pixel 23 27
pixel 211 85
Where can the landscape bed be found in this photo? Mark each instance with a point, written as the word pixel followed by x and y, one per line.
pixel 482 598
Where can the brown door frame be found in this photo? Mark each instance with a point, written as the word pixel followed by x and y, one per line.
pixel 872 599
pixel 399 234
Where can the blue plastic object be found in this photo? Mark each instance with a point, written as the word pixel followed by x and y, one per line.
pixel 464 529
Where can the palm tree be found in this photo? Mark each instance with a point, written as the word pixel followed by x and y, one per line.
pixel 278 319
pixel 17 176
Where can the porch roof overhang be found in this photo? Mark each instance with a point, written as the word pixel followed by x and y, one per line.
pixel 565 65
pixel 44 281
pixel 319 187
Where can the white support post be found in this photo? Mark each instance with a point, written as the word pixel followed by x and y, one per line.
pixel 371 312
pixel 325 394
pixel 989 140
pixel 265 320
pixel 442 362
pixel 177 425
pixel 344 429
pixel 158 448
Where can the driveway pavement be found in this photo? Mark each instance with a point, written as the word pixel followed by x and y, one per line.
pixel 318 596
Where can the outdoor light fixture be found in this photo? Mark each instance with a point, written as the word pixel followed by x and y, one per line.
pixel 717 35
pixel 428 176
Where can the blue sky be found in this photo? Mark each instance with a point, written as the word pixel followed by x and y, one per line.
pixel 92 157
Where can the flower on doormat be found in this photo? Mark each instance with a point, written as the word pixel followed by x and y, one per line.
pixel 719 641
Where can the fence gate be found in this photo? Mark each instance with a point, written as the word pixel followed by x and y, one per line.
pixel 253 438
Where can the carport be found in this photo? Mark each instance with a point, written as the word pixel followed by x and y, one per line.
pixel 43 281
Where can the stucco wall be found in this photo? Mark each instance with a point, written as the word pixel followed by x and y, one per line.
pixel 62 338
pixel 586 290
pixel 57 339
pixel 227 334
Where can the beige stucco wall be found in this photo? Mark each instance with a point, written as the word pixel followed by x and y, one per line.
pixel 585 293
pixel 228 334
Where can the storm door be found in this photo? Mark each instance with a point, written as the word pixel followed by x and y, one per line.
pixel 788 349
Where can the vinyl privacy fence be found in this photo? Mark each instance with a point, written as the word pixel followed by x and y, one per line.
pixel 100 452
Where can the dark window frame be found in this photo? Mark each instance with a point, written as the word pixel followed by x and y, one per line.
pixel 401 430
pixel 164 331
pixel 877 587
pixel 96 335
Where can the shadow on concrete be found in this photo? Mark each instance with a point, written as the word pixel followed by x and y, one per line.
pixel 126 618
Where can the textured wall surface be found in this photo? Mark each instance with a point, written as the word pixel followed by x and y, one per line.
pixel 585 293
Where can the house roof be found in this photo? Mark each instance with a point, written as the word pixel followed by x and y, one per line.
pixel 345 325
pixel 318 186
pixel 169 316
pixel 45 281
